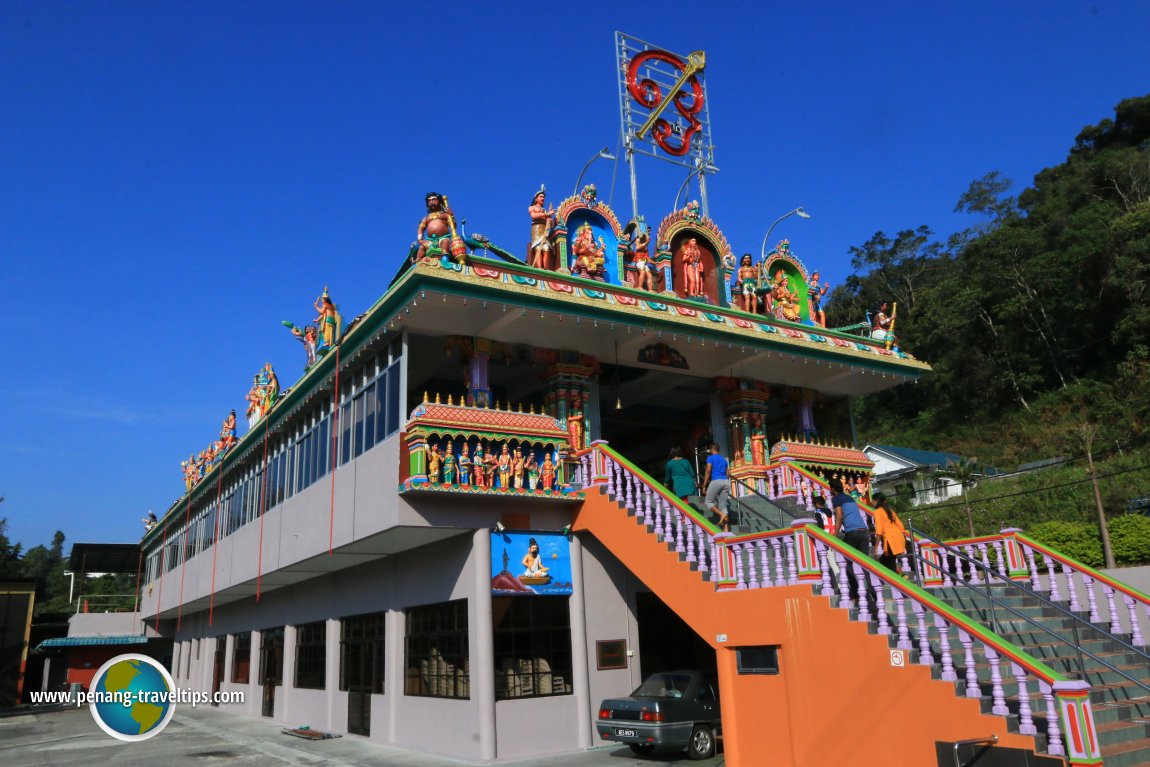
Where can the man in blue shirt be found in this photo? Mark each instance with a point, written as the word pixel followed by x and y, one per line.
pixel 851 524
pixel 718 487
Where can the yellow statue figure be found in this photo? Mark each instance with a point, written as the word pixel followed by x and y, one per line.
pixel 329 321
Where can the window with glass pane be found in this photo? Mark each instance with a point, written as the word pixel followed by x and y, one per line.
pixel 272 656
pixel 241 657
pixel 311 655
pixel 435 656
pixel 361 657
pixel 532 637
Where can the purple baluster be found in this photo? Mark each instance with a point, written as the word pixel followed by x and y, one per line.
pixel 1052 576
pixel 1025 716
pixel 970 553
pixel 780 577
pixel 740 580
pixel 609 465
pixel 1053 731
pixel 904 564
pixel 807 495
pixel 701 537
pixel 752 576
pixel 860 580
pixel 584 469
pixel 880 603
pixel 986 569
pixel 792 560
pixel 972 688
pixel 943 627
pixel 1135 630
pixel 1000 554
pixel 764 563
pixel 1088 584
pixel 679 547
pixel 824 568
pixel 1071 588
pixel 944 560
pixel 715 554
pixel 925 656
pixel 844 587
pixel 690 535
pixel 628 487
pixel 1115 622
pixel 665 505
pixel 900 620
pixel 997 694
pixel 1035 581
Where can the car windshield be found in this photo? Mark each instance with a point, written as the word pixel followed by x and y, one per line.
pixel 664 686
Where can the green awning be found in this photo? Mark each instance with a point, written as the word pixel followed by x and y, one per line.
pixel 91 641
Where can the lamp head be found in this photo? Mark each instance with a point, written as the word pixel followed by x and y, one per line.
pixel 801 213
pixel 605 153
pixel 499 527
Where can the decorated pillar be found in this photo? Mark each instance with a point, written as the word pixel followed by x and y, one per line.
pixel 745 409
pixel 478 390
pixel 569 398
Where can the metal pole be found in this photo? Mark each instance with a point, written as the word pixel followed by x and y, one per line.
pixel 703 190
pixel 634 182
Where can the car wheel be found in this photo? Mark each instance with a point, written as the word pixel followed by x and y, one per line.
pixel 702 743
pixel 642 749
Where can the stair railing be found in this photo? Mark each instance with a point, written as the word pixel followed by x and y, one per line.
pixel 781 520
pixel 930 624
pixel 961 567
pixel 804 553
pixel 655 506
pixel 1019 557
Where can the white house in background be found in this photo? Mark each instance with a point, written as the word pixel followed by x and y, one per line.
pixel 912 473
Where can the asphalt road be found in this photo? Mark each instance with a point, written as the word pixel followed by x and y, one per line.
pixel 204 736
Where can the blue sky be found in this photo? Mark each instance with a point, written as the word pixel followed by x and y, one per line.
pixel 176 178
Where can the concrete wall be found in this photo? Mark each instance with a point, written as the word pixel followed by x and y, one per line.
pixel 480 728
pixel 108 624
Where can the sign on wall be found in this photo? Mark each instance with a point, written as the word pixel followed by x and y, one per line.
pixel 523 564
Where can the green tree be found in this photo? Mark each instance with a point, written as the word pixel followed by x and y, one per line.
pixel 965 472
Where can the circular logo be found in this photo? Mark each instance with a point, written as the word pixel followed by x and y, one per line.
pixel 132 697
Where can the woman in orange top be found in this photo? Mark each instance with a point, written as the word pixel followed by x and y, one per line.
pixel 888 529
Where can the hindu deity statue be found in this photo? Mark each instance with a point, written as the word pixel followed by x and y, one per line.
pixel 547 473
pixel 188 468
pixel 589 255
pixel 881 323
pixel 328 322
pixel 270 390
pixel 434 461
pixel 436 233
pixel 540 230
pixel 480 463
pixel 758 441
pixel 575 425
pixel 255 398
pixel 641 259
pixel 464 465
pixel 517 469
pixel 309 337
pixel 693 268
pixel 531 466
pixel 449 464
pixel 228 431
pixel 748 278
pixel 692 211
pixel 504 467
pixel 815 293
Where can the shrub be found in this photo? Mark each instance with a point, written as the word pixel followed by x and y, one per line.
pixel 1130 537
pixel 1078 540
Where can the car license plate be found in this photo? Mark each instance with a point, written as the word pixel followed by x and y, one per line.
pixel 624 733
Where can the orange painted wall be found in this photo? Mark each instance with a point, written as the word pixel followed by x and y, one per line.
pixel 84 662
pixel 837 699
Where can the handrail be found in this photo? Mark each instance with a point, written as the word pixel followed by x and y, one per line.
pixel 1075 642
pixel 991 739
pixel 1084 568
pixel 805 553
pixel 747 486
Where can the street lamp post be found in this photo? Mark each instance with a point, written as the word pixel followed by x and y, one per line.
pixel 605 153
pixel 796 212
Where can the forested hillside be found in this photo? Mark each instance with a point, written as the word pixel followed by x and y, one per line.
pixel 1036 319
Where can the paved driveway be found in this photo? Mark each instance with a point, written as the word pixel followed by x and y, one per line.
pixel 203 736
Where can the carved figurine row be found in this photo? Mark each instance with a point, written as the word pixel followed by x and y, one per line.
pixel 508 469
pixel 198 465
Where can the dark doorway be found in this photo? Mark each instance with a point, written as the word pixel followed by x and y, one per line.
pixel 218 668
pixel 271 667
pixel 666 642
pixel 645 413
pixel 361 667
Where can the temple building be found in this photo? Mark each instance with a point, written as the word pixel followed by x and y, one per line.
pixel 460 542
